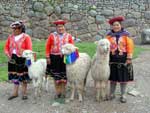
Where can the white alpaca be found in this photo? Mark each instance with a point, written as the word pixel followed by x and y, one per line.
pixel 100 69
pixel 77 71
pixel 36 72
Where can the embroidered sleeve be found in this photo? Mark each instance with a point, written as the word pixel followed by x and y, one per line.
pixel 6 46
pixel 48 45
pixel 28 42
pixel 113 45
pixel 130 47
pixel 70 39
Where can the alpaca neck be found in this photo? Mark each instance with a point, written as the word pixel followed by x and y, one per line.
pixel 71 58
pixel 102 58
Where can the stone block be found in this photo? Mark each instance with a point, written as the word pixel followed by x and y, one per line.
pixel 145 36
pixel 38 6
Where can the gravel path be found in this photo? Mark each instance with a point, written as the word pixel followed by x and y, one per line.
pixel 135 104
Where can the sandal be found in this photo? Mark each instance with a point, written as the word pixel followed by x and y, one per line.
pixel 24 97
pixel 12 97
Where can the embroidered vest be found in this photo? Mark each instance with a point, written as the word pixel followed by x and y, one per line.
pixel 58 42
pixel 121 46
pixel 16 45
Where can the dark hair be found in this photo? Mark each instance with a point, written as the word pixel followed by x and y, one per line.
pixel 23 28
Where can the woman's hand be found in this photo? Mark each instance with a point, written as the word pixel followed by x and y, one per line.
pixel 8 57
pixel 48 60
pixel 128 61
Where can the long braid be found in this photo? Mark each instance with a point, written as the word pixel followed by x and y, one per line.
pixel 23 27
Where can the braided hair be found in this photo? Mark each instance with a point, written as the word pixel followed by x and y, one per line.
pixel 23 28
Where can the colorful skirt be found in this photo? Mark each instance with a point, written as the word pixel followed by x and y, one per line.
pixel 57 68
pixel 17 70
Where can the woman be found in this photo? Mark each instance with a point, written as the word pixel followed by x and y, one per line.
pixel 121 51
pixel 56 66
pixel 15 44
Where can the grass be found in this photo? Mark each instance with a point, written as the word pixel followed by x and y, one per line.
pixel 137 51
pixel 3 58
pixel 39 47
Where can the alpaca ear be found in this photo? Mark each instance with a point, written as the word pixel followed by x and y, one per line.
pixel 96 42
pixel 34 52
pixel 77 48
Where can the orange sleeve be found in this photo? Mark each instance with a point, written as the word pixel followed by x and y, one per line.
pixel 28 43
pixel 6 46
pixel 49 43
pixel 109 38
pixel 130 47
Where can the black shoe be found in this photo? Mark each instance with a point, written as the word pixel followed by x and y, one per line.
pixel 111 97
pixel 12 97
pixel 24 97
pixel 123 100
pixel 63 96
pixel 57 96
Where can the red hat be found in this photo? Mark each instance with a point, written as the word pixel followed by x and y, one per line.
pixel 119 19
pixel 59 22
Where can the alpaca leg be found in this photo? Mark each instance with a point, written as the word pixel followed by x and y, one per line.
pixel 72 91
pixel 39 86
pixel 98 88
pixel 44 82
pixel 107 89
pixel 80 90
pixel 35 87
pixel 47 84
pixel 103 91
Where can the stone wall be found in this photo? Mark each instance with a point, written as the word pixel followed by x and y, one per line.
pixel 86 18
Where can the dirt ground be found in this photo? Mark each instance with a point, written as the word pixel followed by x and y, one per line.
pixel 135 104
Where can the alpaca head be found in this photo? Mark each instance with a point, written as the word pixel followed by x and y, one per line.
pixel 28 54
pixel 68 49
pixel 103 46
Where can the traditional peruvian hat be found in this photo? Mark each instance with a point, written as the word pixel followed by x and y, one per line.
pixel 119 19
pixel 59 22
pixel 16 24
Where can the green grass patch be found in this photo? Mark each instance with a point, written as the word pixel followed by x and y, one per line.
pixel 3 57
pixel 138 51
pixel 87 47
pixel 39 47
pixel 3 73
